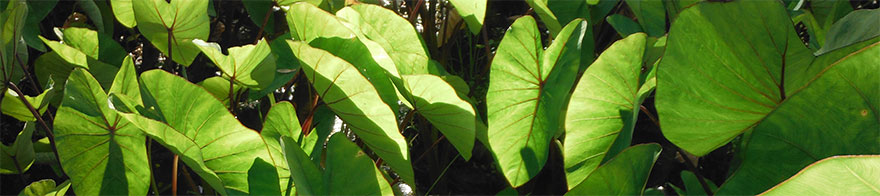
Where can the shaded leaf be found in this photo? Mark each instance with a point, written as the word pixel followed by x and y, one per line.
pixel 17 159
pixel 350 171
pixel 855 27
pixel 625 174
pixel 472 11
pixel 434 99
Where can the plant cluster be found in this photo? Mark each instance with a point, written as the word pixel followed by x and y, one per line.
pixel 333 97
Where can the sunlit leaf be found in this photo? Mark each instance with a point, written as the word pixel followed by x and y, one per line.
pixel 838 175
pixel 171 27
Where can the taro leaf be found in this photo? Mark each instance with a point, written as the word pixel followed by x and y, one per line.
pixel 103 153
pixel 13 106
pixel 529 88
pixel 828 12
pixel 472 11
pixel 603 108
pixel 435 99
pixel 601 9
pixel 304 173
pixel 263 178
pixel 720 77
pixel 125 82
pixel 85 54
pixel 13 49
pixel 124 13
pixel 624 26
pixel 281 122
pixel 350 171
pixel 335 37
pixel 625 174
pixel 349 95
pixel 219 87
pixel 19 157
pixel 60 190
pixel 37 10
pixel 199 129
pixel 546 15
pixel 651 15
pixel 177 23
pixel 858 26
pixel 94 44
pixel 674 7
pixel 838 175
pixel 94 14
pixel 568 10
pixel 243 64
pixel 842 104
pixel 286 67
pixel 393 33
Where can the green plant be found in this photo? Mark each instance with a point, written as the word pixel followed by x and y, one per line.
pixel 331 97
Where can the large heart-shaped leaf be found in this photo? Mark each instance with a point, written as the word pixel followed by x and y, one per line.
pixel 243 64
pixel 347 93
pixel 472 11
pixel 528 89
pixel 102 152
pixel 199 129
pixel 172 27
pixel 839 175
pixel 625 174
pixel 604 106
pixel 720 77
pixel 843 104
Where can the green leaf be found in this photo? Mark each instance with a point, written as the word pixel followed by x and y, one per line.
pixel 261 12
pixel 177 23
pixel 651 15
pixel 281 122
pixel 94 14
pixel 435 99
pixel 286 67
pixel 838 175
pixel 842 104
pixel 369 57
pixel 828 12
pixel 13 106
pixel 304 173
pixel 84 54
pixel 102 152
pixel 345 91
pixel 38 188
pixel 624 26
pixel 263 178
pixel 219 87
pixel 125 82
pixel 568 10
pixel 19 157
pixel 37 10
pixel 720 77
pixel 692 185
pixel 855 27
pixel 625 174
pixel 350 171
pixel 546 15
pixel 242 65
pixel 94 44
pixel 221 156
pixel 124 13
pixel 529 88
pixel 472 11
pixel 393 33
pixel 13 49
pixel 603 108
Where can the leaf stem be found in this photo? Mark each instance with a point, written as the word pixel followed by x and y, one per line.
pixel 39 118
pixel 265 20
pixel 150 161
pixel 650 116
pixel 406 120
pixel 189 180
pixel 442 174
pixel 429 149
pixel 174 176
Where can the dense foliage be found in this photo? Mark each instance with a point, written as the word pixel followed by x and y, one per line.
pixel 415 97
